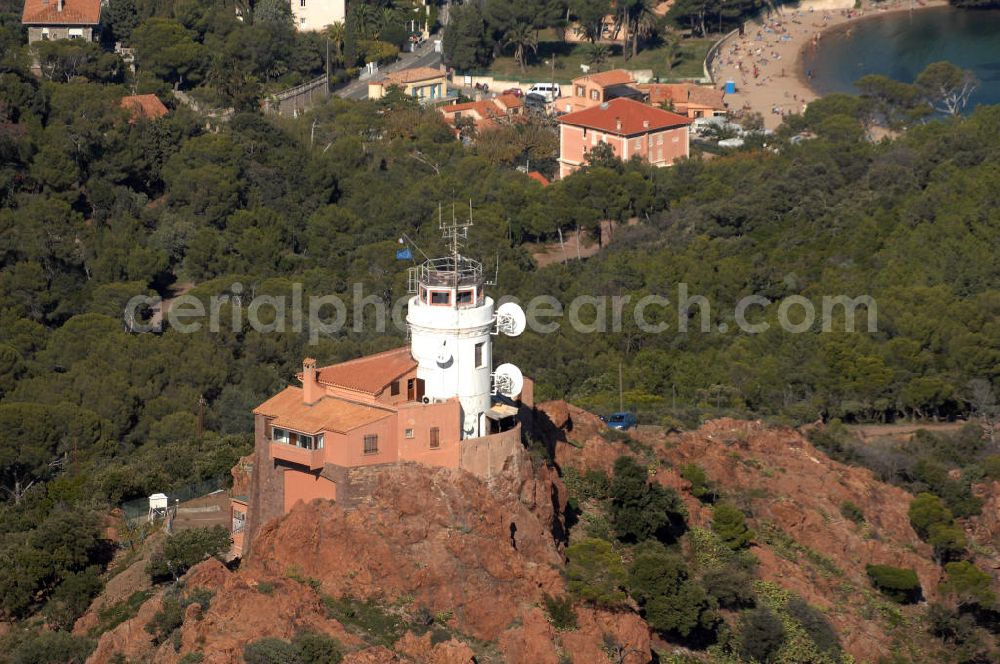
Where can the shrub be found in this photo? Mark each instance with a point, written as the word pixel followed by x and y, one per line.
pixel 729 523
pixel 315 648
pixel 50 647
pixel 968 584
pixel 270 650
pixel 305 648
pixel 641 510
pixel 671 602
pixel 730 586
pixel 561 612
pixel 701 487
pixel 171 614
pixel 852 512
pixel 815 625
pixel 596 572
pixel 761 635
pixel 186 549
pixel 72 597
pixel 898 584
pixel 926 510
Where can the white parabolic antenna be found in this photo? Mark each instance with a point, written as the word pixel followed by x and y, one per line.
pixel 510 319
pixel 444 355
pixel 507 380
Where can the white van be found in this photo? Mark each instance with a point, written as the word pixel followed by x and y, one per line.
pixel 548 90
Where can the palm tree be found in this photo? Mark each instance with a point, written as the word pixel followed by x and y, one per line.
pixel 596 54
pixel 522 36
pixel 639 20
pixel 335 33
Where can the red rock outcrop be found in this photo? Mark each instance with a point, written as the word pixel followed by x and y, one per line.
pixel 795 493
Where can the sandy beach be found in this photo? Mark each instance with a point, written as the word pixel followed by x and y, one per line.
pixel 766 61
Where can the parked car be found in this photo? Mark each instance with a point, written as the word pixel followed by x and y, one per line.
pixel 550 91
pixel 517 92
pixel 535 102
pixel 622 421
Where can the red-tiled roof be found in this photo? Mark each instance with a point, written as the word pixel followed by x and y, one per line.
pixel 538 177
pixel 144 106
pixel 509 101
pixel 608 78
pixel 684 93
pixel 328 414
pixel 411 76
pixel 74 12
pixel 370 374
pixel 624 117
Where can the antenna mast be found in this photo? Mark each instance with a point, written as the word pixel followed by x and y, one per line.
pixel 456 232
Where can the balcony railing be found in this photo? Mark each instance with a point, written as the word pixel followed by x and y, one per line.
pixel 313 459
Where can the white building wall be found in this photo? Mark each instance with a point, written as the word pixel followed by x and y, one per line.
pixel 313 15
pixel 444 330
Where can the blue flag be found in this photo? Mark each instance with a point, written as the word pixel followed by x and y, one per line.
pixel 404 254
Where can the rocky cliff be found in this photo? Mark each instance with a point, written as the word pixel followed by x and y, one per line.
pixel 439 567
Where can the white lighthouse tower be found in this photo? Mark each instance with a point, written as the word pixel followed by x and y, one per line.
pixel 451 321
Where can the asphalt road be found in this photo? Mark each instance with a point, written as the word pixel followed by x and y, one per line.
pixel 424 57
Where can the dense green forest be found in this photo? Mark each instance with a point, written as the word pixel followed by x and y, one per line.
pixel 95 208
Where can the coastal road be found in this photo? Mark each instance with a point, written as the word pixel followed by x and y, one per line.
pixel 423 57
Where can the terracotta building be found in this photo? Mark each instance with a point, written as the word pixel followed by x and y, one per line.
pixel 485 113
pixel 61 19
pixel 440 401
pixel 631 129
pixel 424 83
pixel 694 101
pixel 595 89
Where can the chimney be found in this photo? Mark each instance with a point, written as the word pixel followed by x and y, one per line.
pixel 311 391
pixel 60 6
pixel 618 124
pixel 645 124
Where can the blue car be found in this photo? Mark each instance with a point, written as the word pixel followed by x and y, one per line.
pixel 622 421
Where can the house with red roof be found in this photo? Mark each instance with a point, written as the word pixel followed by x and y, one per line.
pixel 485 113
pixel 61 19
pixel 690 99
pixel 595 89
pixel 143 107
pixel 630 128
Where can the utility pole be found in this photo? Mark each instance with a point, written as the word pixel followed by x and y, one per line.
pixel 621 392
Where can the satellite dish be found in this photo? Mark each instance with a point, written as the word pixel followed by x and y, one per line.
pixel 508 380
pixel 510 319
pixel 444 355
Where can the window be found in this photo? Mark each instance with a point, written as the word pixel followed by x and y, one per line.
pixel 659 139
pixel 302 3
pixel 279 435
pixel 441 297
pixel 371 443
pixel 581 91
pixel 638 144
pixel 585 132
pixel 435 439
pixel 594 94
pixel 464 297
pixel 480 355
pixel 45 34
pixel 394 388
pixel 408 433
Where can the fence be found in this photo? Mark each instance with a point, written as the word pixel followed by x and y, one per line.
pixel 299 99
pixel 138 509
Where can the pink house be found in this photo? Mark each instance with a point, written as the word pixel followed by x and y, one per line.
pixel 312 441
pixel 631 128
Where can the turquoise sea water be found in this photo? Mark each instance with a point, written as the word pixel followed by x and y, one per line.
pixel 900 45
